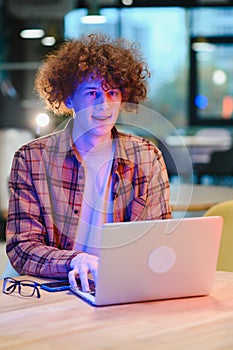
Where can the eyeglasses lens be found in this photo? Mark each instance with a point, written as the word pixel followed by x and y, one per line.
pixel 27 289
pixel 9 285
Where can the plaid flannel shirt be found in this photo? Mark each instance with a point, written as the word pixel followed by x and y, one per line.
pixel 46 188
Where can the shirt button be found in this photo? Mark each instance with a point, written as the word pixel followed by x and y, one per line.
pixel 76 211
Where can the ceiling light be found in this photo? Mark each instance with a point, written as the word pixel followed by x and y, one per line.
pixel 32 33
pixel 48 41
pixel 42 119
pixel 93 19
pixel 203 46
pixel 127 2
pixel 93 15
pixel 219 77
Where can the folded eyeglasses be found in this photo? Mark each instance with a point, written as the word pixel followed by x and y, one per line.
pixel 25 288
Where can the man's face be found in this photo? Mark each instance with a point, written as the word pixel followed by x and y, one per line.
pixel 96 109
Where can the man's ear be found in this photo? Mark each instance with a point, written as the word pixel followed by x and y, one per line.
pixel 69 103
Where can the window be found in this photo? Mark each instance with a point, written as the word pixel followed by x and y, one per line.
pixel 211 77
pixel 189 52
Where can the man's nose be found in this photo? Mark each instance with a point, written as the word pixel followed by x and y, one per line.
pixel 103 100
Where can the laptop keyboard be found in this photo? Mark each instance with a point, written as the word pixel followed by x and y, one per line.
pixel 91 284
pixel 92 287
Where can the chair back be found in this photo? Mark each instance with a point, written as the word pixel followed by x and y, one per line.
pixel 177 160
pixel 219 166
pixel 225 257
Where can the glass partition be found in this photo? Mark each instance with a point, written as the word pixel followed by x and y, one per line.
pixel 189 52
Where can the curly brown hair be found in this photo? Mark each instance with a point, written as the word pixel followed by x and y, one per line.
pixel 118 62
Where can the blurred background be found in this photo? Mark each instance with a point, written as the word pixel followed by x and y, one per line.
pixel 189 48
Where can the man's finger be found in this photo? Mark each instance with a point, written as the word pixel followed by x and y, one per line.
pixel 83 275
pixel 72 278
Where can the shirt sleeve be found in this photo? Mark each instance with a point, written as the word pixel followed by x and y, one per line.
pixel 26 235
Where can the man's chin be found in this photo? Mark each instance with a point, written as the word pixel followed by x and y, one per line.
pixel 102 130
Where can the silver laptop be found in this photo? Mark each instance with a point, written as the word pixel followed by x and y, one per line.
pixel 155 260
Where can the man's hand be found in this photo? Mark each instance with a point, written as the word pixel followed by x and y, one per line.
pixel 81 265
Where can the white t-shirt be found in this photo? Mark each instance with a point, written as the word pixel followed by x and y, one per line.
pixel 97 205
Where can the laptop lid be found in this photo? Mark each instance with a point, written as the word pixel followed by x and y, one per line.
pixel 154 260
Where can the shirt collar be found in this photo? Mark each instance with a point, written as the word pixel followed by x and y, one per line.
pixel 121 158
pixel 67 145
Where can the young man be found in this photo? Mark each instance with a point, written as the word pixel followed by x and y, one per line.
pixel 64 186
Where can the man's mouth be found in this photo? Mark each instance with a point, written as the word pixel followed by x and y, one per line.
pixel 101 117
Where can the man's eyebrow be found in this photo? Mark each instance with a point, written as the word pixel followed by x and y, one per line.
pixel 97 88
pixel 91 88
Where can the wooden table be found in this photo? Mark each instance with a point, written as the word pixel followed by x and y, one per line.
pixel 63 321
pixel 187 197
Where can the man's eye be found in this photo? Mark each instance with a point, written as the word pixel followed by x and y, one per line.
pixel 92 93
pixel 114 92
